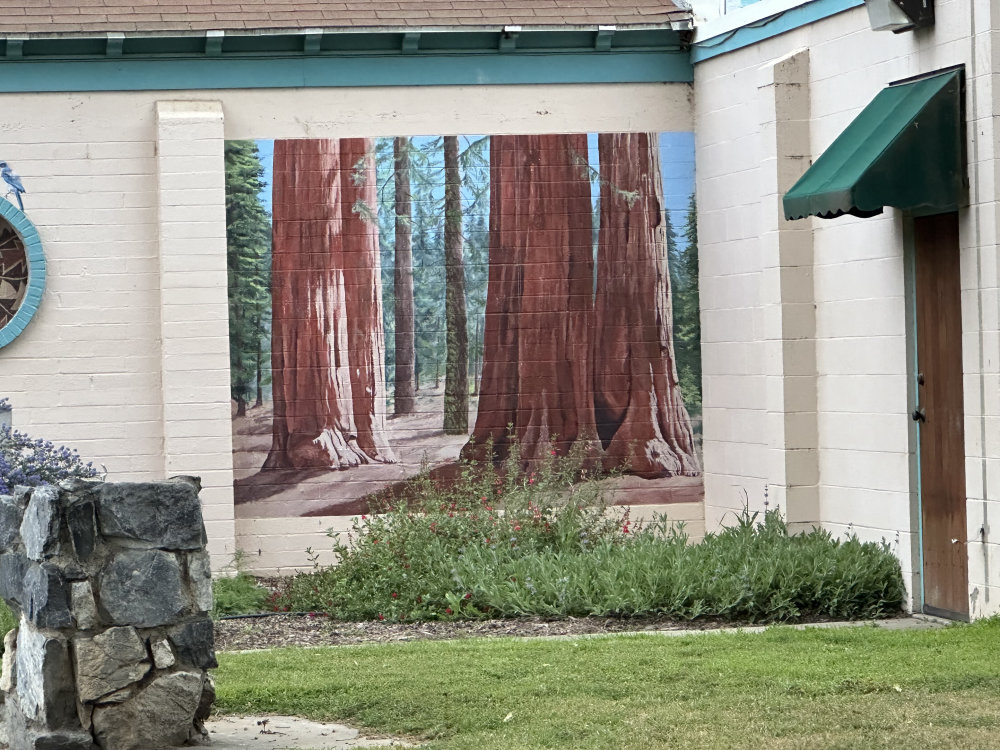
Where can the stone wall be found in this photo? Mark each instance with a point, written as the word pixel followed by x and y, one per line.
pixel 112 586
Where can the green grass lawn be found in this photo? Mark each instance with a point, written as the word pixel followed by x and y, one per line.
pixel 818 689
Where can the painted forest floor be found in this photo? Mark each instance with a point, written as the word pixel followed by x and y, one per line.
pixel 417 440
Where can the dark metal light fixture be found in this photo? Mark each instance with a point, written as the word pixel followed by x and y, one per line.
pixel 899 15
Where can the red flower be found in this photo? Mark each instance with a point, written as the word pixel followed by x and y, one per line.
pixel 468 596
pixel 395 595
pixel 364 517
pixel 448 610
pixel 381 617
pixel 517 528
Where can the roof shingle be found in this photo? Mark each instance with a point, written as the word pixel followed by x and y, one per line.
pixel 40 17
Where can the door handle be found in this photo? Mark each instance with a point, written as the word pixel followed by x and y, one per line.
pixel 918 415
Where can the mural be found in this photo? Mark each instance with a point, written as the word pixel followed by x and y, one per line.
pixel 430 303
pixel 13 273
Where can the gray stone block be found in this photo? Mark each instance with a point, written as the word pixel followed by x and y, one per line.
pixel 161 714
pixel 9 655
pixel 44 680
pixel 40 525
pixel 108 662
pixel 142 588
pixel 165 515
pixel 81 517
pixel 11 515
pixel 83 605
pixel 207 699
pixel 62 741
pixel 163 656
pixel 21 736
pixel 194 643
pixel 13 566
pixel 46 597
pixel 200 575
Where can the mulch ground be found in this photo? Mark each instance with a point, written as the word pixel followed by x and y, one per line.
pixel 246 633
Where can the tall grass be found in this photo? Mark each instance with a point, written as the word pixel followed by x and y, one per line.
pixel 556 550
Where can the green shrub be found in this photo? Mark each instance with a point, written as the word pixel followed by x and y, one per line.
pixel 556 550
pixel 239 595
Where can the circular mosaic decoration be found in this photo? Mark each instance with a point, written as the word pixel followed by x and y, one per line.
pixel 13 273
pixel 22 272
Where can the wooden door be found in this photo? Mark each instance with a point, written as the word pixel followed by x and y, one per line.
pixel 941 416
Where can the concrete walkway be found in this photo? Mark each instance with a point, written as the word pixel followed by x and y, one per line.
pixel 287 732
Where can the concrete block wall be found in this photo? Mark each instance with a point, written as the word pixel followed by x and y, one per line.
pixel 127 358
pixel 860 335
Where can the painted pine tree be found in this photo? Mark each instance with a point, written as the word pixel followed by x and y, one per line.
pixel 248 249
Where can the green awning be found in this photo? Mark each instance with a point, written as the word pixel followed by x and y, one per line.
pixel 905 149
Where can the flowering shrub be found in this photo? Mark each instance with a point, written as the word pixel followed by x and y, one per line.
pixel 407 563
pixel 29 461
pixel 556 550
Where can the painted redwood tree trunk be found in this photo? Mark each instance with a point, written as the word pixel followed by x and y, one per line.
pixel 404 400
pixel 456 378
pixel 536 370
pixel 314 292
pixel 363 282
pixel 641 418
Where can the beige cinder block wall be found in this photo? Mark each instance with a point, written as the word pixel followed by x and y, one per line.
pixel 127 358
pixel 805 324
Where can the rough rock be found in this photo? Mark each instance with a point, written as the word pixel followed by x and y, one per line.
pixel 79 485
pixel 107 582
pixel 40 524
pixel 13 566
pixel 160 715
pixel 108 662
pixel 11 515
pixel 166 515
pixel 44 679
pixel 142 588
pixel 23 737
pixel 46 597
pixel 194 643
pixel 207 699
pixel 200 574
pixel 163 657
pixel 9 654
pixel 81 517
pixel 83 605
pixel 193 482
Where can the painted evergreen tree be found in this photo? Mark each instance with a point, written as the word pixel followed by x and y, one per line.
pixel 641 418
pixel 327 341
pixel 456 387
pixel 536 384
pixel 248 232
pixel 405 386
pixel 687 313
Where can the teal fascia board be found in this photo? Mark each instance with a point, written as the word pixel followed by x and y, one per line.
pixel 163 63
pixel 36 272
pixel 419 70
pixel 765 28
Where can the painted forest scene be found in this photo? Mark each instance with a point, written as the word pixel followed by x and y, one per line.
pixel 413 305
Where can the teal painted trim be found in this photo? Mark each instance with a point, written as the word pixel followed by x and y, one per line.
pixel 36 272
pixel 766 28
pixel 165 74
